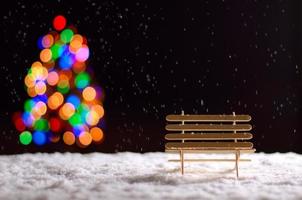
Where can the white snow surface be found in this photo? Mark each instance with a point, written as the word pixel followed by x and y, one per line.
pixel 146 176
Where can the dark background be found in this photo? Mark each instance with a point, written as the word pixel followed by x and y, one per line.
pixel 156 57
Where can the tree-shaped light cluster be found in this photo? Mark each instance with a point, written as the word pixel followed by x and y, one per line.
pixel 64 102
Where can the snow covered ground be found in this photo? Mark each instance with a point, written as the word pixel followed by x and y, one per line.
pixel 147 176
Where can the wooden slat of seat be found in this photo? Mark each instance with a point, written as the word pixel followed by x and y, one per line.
pixel 208 127
pixel 209 151
pixel 208 136
pixel 208 145
pixel 208 118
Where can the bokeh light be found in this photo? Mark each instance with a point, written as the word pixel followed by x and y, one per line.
pixel 40 88
pixel 85 138
pixel 82 80
pixel 74 100
pixel 89 93
pixel 39 138
pixel 45 55
pixel 47 41
pixel 66 111
pixel 59 22
pixel 68 138
pixel 96 134
pixel 82 54
pixel 55 124
pixel 92 118
pixel 53 78
pixel 55 100
pixel 25 138
pixel 66 35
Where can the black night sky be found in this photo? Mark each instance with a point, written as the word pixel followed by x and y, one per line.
pixel 155 58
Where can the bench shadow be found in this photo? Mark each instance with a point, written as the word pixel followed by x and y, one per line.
pixel 174 177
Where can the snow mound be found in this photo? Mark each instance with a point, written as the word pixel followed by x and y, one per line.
pixel 147 176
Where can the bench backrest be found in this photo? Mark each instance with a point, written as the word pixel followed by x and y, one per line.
pixel 225 130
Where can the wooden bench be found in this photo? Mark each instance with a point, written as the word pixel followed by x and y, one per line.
pixel 209 134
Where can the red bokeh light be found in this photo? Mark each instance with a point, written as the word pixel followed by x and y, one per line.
pixel 20 126
pixel 55 124
pixel 59 22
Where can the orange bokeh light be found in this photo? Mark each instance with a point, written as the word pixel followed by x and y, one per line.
pixel 40 108
pixel 55 100
pixel 89 93
pixel 76 43
pixel 29 81
pixel 31 92
pixel 45 55
pixel 99 110
pixel 36 64
pixel 96 134
pixel 66 111
pixel 68 138
pixel 85 138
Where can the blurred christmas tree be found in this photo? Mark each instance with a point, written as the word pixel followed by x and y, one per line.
pixel 64 103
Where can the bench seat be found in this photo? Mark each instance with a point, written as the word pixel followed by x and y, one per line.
pixel 208 136
pixel 209 145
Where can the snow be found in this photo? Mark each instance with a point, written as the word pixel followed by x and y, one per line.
pixel 147 176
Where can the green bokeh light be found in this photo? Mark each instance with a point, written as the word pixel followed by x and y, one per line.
pixel 75 119
pixel 82 80
pixel 28 105
pixel 25 137
pixel 63 89
pixel 56 51
pixel 66 35
pixel 41 125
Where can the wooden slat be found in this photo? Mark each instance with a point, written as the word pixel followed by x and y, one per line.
pixel 208 127
pixel 211 151
pixel 209 136
pixel 208 118
pixel 209 145
pixel 210 160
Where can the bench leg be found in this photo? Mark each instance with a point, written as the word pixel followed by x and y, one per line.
pixel 236 164
pixel 181 162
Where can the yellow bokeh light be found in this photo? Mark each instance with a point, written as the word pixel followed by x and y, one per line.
pixel 99 110
pixel 92 118
pixel 55 100
pixel 44 73
pixel 85 138
pixel 89 93
pixel 66 111
pixel 96 134
pixel 36 64
pixel 45 55
pixel 68 138
pixel 40 88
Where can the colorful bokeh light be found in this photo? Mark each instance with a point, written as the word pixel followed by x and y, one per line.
pixel 59 22
pixel 25 138
pixel 63 105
